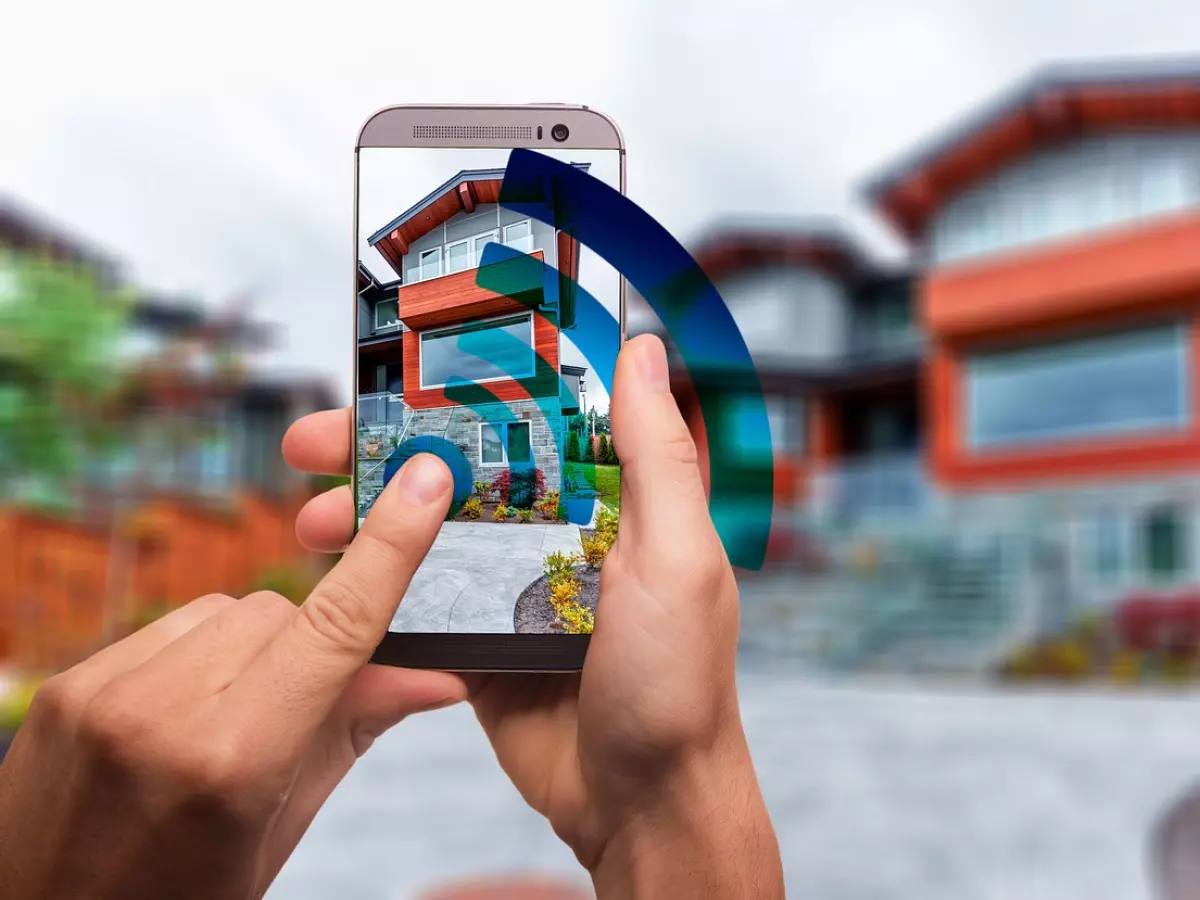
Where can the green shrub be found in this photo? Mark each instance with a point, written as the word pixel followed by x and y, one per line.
pixel 526 515
pixel 606 520
pixel 559 565
pixel 573 450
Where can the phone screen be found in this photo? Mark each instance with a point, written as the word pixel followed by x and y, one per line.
pixel 476 321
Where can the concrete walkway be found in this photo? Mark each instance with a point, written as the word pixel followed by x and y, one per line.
pixel 472 577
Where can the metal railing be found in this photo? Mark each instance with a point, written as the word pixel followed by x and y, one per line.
pixel 382 408
pixel 877 486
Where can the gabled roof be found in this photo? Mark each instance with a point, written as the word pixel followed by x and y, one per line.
pixel 466 176
pixel 1057 103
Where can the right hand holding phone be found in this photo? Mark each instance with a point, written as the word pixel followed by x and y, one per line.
pixel 640 762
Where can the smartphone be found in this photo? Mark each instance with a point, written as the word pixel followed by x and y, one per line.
pixel 470 305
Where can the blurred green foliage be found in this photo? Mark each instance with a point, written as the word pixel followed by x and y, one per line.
pixel 59 334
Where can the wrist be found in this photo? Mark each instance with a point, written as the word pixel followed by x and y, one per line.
pixel 702 832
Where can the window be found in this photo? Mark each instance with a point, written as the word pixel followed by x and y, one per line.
pixel 1164 540
pixel 504 443
pixel 1112 384
pixel 480 351
pixel 458 256
pixel 519 235
pixel 1089 185
pixel 479 242
pixel 387 314
pixel 431 263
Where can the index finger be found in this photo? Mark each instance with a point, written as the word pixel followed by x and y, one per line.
pixel 300 675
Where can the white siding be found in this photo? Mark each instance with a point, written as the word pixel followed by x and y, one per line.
pixel 792 313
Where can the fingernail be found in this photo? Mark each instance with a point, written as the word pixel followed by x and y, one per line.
pixel 423 480
pixel 652 365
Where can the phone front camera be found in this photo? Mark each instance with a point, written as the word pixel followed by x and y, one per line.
pixel 560 132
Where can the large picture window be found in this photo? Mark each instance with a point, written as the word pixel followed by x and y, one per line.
pixel 477 352
pixel 504 443
pixel 1112 384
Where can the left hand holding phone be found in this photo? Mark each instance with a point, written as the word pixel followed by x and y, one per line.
pixel 188 759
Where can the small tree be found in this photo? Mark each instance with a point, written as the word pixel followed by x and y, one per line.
pixel 611 456
pixel 573 450
pixel 589 454
pixel 602 449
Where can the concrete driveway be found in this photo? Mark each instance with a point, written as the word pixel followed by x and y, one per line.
pixel 472 577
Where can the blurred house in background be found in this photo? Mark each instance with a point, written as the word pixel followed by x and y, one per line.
pixel 165 485
pixel 978 449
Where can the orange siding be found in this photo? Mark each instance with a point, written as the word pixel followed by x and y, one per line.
pixel 545 343
pixel 1139 269
pixel 457 297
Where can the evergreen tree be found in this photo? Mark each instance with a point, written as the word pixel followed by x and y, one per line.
pixel 602 449
pixel 574 453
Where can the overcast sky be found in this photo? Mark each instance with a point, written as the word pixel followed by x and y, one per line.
pixel 210 145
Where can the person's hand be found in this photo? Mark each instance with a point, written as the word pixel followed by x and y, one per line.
pixel 188 759
pixel 640 764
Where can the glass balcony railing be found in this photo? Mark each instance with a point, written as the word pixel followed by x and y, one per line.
pixel 454 260
pixel 381 408
pixel 873 487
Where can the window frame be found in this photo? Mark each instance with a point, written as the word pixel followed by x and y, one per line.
pixel 439 250
pixel 502 429
pixel 526 221
pixel 1179 331
pixel 395 326
pixel 435 332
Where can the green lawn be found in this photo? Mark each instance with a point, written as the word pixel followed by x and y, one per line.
pixel 606 480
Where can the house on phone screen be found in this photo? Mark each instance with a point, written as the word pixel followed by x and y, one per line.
pixel 465 343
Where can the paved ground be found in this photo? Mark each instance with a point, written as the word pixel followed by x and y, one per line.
pixel 473 575
pixel 878 793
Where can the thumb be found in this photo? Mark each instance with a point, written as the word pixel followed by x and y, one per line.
pixel 660 474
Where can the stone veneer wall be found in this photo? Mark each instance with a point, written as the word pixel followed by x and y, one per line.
pixel 460 426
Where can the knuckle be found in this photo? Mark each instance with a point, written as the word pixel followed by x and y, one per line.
pixel 219 779
pixel 392 544
pixel 340 614
pixel 61 699
pixel 679 447
pixel 116 727
pixel 268 605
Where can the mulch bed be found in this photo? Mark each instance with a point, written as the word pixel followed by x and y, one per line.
pixel 534 615
pixel 490 508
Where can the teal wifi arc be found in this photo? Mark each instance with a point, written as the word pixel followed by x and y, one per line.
pixel 695 320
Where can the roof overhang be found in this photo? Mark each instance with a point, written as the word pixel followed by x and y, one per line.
pixel 1056 105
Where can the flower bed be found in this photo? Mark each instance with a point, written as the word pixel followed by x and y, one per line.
pixel 565 599
pixel 1149 638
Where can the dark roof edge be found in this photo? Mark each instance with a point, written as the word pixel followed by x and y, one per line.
pixel 441 191
pixel 1055 76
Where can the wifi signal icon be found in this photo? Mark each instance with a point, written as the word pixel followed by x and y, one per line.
pixel 696 321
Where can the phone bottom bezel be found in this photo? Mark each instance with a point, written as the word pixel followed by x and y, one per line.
pixel 483 652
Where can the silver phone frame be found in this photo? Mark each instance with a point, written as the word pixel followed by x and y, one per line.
pixel 392 126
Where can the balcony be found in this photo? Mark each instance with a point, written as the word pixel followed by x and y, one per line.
pixel 459 296
pixel 876 487
pixel 468 260
pixel 381 408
